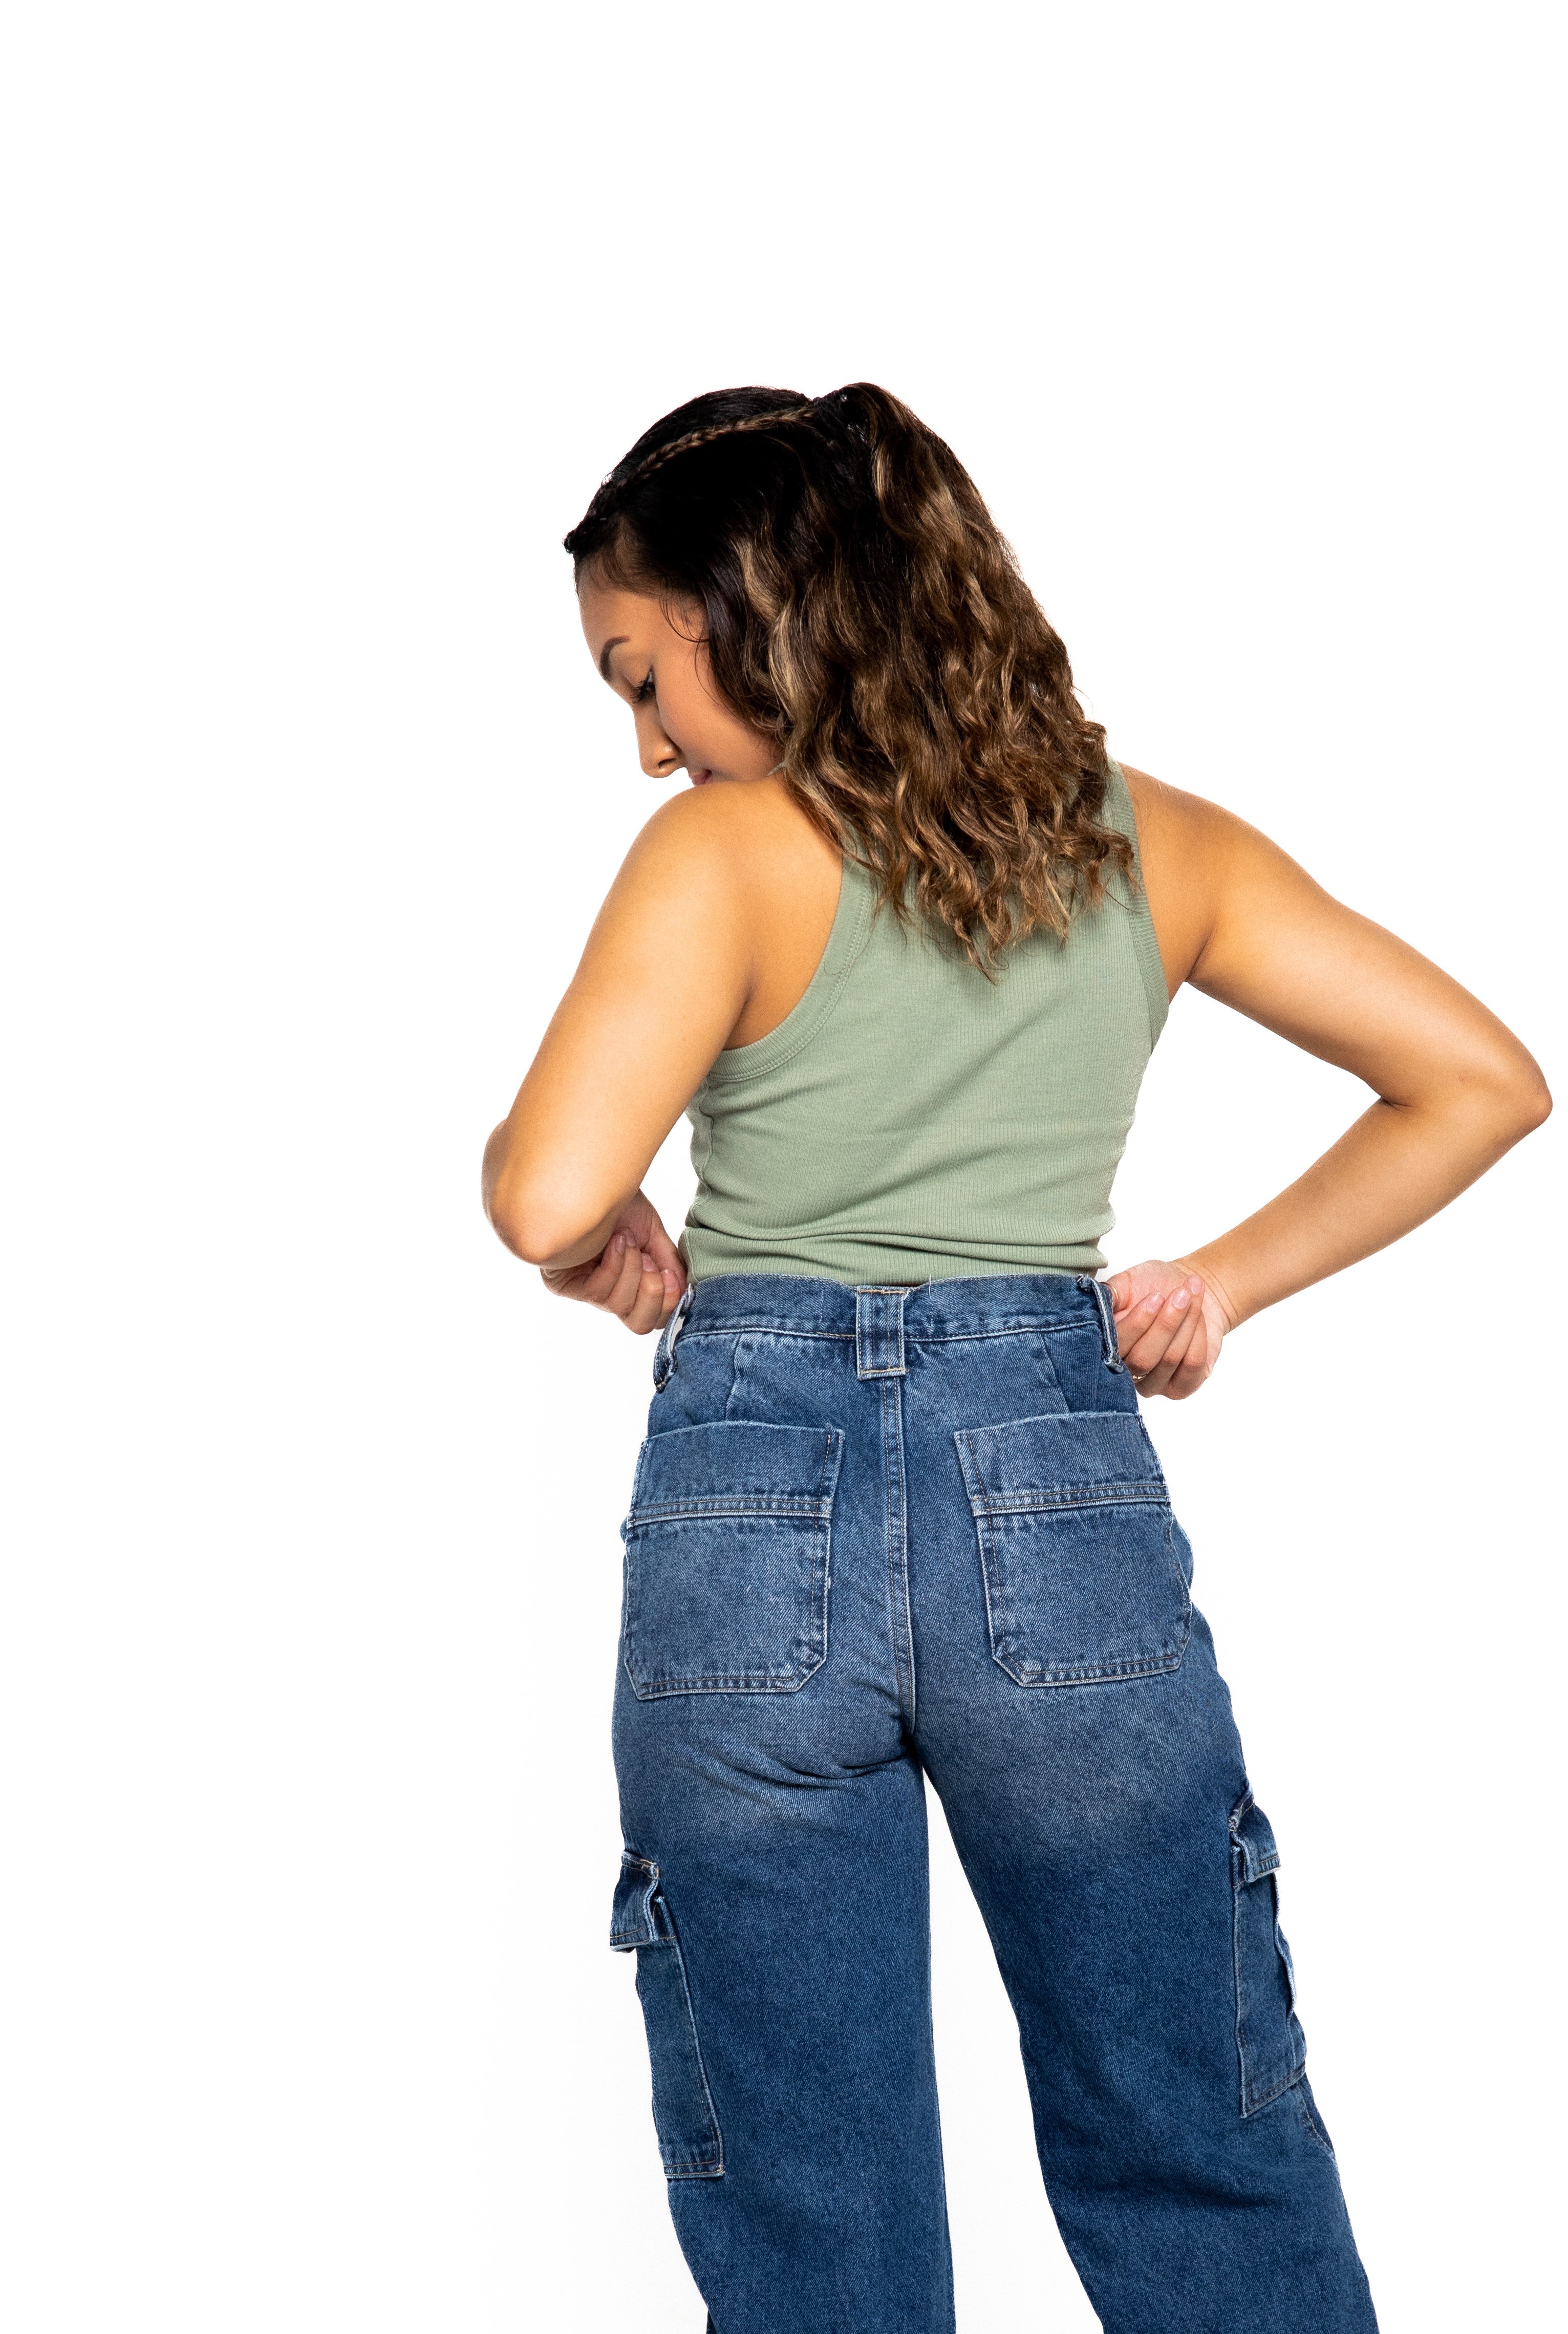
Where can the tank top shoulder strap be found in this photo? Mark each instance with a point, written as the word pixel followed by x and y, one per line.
pixel 1118 812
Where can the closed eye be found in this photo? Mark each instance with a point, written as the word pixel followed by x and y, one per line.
pixel 641 696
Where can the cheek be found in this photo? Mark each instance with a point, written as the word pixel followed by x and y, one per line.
pixel 710 732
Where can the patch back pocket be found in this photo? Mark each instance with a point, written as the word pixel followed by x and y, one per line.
pixel 729 1545
pixel 689 2141
pixel 1269 2040
pixel 1084 1581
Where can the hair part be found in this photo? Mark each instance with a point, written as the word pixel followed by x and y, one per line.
pixel 860 606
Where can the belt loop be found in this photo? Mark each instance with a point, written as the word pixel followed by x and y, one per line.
pixel 664 1354
pixel 879 1332
pixel 1102 1296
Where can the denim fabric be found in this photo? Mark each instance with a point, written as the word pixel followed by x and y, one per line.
pixel 880 1536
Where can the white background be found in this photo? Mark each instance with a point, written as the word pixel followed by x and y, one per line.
pixel 324 322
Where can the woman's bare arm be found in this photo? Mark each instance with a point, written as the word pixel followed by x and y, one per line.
pixel 661 983
pixel 1454 1089
pixel 710 931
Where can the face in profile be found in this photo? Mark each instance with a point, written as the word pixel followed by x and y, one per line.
pixel 656 659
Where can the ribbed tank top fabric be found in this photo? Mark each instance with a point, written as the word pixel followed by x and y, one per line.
pixel 912 1121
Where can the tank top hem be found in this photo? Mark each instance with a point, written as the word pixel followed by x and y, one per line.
pixel 880 1267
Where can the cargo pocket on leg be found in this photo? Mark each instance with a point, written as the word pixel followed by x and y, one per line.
pixel 688 2136
pixel 1269 2040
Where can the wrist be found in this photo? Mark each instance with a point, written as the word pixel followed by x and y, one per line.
pixel 1222 1290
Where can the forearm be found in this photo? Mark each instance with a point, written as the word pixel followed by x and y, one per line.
pixel 1395 1167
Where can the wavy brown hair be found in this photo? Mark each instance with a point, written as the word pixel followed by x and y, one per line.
pixel 860 606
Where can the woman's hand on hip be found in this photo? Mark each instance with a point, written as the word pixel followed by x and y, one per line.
pixel 638 1273
pixel 1170 1323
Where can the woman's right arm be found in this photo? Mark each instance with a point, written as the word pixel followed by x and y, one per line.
pixel 663 981
pixel 1454 1089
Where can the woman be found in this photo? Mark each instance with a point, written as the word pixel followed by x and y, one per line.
pixel 902 953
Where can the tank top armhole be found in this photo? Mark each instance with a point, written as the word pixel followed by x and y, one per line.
pixel 1119 812
pixel 846 942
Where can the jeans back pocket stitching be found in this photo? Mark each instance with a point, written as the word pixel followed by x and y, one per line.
pixel 813 1508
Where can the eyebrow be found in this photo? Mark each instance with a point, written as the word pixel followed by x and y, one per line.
pixel 619 641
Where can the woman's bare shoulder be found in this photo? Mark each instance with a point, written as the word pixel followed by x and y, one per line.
pixel 1194 855
pixel 753 834
pixel 1177 838
pixel 749 881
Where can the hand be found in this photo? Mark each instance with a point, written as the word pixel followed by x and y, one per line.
pixel 1170 1323
pixel 638 1273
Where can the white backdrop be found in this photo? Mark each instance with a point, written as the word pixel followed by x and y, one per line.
pixel 324 321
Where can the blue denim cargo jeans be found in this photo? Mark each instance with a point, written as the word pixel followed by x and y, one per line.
pixel 883 1535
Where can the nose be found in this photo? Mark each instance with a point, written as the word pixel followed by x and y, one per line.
pixel 660 758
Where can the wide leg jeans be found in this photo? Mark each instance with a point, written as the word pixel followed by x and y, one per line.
pixel 879 1536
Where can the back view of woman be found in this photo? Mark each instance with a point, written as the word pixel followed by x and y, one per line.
pixel 902 954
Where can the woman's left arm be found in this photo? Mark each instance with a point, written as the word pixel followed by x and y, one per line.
pixel 1454 1089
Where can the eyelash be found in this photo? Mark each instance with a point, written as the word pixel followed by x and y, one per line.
pixel 640 696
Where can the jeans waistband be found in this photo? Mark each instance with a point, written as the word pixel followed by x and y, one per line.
pixel 882 1321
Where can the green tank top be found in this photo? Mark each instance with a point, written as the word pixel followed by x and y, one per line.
pixel 911 1121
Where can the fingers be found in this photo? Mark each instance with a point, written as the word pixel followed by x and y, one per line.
pixel 651 1303
pixel 657 1244
pixel 609 1283
pixel 1178 1377
pixel 1138 1298
pixel 635 1285
pixel 1195 1370
pixel 640 1292
pixel 1195 1365
pixel 1156 1335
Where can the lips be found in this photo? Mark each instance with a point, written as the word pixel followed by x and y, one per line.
pixel 701 777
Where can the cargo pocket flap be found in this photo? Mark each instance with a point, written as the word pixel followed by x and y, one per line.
pixel 736 1467
pixel 634 1919
pixel 1080 1459
pixel 690 2144
pixel 1254 1841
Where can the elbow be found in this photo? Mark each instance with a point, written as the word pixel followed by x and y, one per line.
pixel 1533 1106
pixel 523 1222
pixel 1488 1107
pixel 526 1214
pixel 1517 1104
pixel 511 1217
pixel 536 1237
